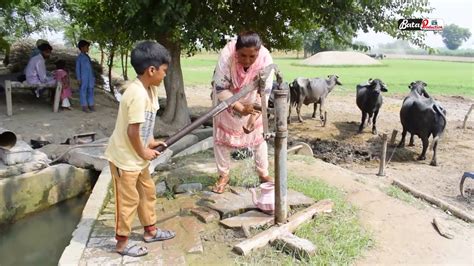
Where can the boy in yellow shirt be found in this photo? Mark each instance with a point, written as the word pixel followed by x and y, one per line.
pixel 131 147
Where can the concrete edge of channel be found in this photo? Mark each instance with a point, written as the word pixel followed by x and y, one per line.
pixel 72 254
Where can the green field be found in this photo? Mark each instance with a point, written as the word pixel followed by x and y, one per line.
pixel 443 78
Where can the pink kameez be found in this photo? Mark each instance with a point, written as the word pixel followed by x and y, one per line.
pixel 228 131
pixel 62 76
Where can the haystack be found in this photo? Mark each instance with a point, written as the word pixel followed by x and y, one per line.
pixel 339 58
pixel 21 51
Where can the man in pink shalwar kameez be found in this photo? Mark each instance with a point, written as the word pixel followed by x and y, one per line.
pixel 239 63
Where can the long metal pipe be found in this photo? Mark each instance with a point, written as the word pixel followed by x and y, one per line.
pixel 219 108
pixel 281 134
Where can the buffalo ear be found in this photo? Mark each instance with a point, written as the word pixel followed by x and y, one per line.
pixel 384 89
pixel 424 84
pixel 329 76
pixel 337 76
pixel 370 81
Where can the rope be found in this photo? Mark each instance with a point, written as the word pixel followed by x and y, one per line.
pixel 389 159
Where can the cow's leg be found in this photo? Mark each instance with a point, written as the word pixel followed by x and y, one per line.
pixel 298 110
pixel 435 145
pixel 362 122
pixel 402 141
pixel 322 112
pixel 374 127
pixel 412 140
pixel 315 107
pixel 426 142
pixel 369 118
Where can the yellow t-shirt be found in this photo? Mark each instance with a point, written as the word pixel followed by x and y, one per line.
pixel 135 107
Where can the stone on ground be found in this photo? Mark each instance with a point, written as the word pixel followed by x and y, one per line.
pixel 299 247
pixel 188 188
pixel 249 219
pixel 206 215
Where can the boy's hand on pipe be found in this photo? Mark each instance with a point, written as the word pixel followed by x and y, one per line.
pixel 155 143
pixel 150 154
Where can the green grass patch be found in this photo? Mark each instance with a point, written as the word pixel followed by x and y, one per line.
pixel 300 158
pixel 205 180
pixel 398 193
pixel 339 236
pixel 244 175
pixel 299 64
pixel 443 78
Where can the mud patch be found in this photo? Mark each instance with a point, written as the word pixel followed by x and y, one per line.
pixel 338 152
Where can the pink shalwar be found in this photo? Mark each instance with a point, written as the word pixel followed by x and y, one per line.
pixel 230 77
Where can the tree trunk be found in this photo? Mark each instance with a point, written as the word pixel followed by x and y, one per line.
pixel 125 74
pixel 110 65
pixel 6 60
pixel 101 56
pixel 176 114
pixel 122 63
pixel 306 52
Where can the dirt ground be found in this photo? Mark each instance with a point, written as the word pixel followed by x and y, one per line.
pixel 455 151
pixel 340 144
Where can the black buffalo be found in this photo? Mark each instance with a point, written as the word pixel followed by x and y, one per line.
pixel 369 100
pixel 423 117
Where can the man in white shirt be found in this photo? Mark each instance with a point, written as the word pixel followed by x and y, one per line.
pixel 36 69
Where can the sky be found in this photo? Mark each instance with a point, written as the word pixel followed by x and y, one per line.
pixel 459 12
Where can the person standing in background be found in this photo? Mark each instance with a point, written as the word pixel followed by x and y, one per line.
pixel 85 77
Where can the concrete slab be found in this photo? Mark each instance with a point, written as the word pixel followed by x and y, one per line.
pixel 198 147
pixel 230 204
pixel 202 133
pixel 183 143
pixel 206 215
pixel 249 219
pixel 88 157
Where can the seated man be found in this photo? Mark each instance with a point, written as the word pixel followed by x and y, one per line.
pixel 36 70
pixel 35 51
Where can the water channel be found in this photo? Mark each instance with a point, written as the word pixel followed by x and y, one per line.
pixel 40 239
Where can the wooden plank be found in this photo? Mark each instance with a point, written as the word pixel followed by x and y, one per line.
pixel 57 97
pixel 383 156
pixel 394 137
pixel 263 238
pixel 8 94
pixel 438 202
pixel 467 116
